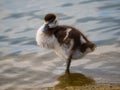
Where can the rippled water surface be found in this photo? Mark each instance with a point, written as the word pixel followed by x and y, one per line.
pixel 23 64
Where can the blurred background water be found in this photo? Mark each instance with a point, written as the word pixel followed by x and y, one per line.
pixel 19 21
pixel 99 20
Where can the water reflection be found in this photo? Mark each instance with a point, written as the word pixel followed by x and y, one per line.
pixel 73 79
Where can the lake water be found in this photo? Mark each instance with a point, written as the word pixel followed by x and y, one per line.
pixel 25 65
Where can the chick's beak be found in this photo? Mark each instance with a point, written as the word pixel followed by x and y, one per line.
pixel 45 27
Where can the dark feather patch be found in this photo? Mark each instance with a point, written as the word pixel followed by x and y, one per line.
pixel 50 17
pixel 60 33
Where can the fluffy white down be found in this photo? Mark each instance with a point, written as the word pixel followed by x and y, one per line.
pixel 43 40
